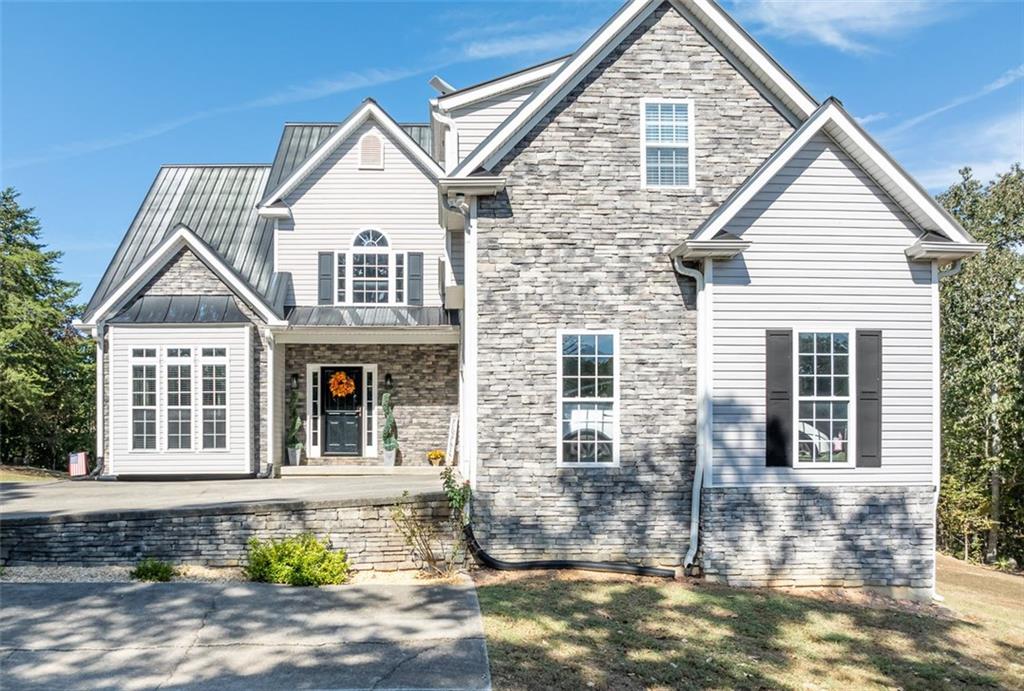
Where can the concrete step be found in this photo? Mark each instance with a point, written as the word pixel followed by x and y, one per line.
pixel 336 470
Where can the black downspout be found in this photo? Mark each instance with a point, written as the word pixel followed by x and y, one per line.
pixel 485 559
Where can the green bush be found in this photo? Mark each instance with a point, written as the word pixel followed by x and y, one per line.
pixel 153 570
pixel 301 560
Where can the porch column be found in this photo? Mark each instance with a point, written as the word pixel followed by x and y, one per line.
pixel 274 401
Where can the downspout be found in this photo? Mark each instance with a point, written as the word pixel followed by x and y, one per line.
pixel 268 342
pixel 703 437
pixel 953 270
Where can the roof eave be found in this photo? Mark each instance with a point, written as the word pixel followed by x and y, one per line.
pixel 477 186
pixel 944 251
pixel 709 249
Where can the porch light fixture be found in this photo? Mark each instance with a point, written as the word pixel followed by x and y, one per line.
pixel 388 381
pixel 295 381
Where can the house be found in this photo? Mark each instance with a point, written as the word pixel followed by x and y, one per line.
pixel 685 312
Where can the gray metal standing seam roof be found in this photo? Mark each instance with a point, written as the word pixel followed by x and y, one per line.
pixel 328 315
pixel 181 309
pixel 218 203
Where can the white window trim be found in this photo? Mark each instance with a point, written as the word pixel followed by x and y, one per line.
pixel 616 436
pixel 313 450
pixel 851 425
pixel 215 360
pixel 690 144
pixel 165 407
pixel 134 360
pixel 362 163
pixel 392 278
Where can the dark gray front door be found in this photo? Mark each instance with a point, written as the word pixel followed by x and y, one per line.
pixel 343 415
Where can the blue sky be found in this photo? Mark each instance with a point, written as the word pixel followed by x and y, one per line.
pixel 95 96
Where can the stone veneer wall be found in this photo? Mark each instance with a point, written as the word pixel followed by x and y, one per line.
pixel 830 536
pixel 426 387
pixel 574 242
pixel 217 536
pixel 186 274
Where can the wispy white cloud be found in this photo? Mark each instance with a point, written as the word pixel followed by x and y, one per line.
pixel 865 120
pixel 292 94
pixel 1006 79
pixel 988 148
pixel 848 26
pixel 542 42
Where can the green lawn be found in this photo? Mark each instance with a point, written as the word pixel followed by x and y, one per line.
pixel 576 631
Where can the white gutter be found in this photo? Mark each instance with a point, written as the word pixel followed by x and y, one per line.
pixel 703 403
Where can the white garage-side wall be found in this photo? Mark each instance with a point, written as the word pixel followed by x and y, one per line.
pixel 477 120
pixel 827 250
pixel 233 460
pixel 338 200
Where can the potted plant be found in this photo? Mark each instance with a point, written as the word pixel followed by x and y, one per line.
pixel 389 435
pixel 294 440
pixel 436 456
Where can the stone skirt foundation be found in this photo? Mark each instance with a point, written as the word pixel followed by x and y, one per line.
pixel 216 536
pixel 877 537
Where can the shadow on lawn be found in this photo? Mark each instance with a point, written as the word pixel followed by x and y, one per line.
pixel 641 634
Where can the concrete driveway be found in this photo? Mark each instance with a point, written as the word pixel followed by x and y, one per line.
pixel 240 636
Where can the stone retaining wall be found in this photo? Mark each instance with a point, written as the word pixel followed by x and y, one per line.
pixel 820 536
pixel 215 536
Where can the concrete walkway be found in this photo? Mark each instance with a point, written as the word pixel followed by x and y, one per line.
pixel 39 500
pixel 240 636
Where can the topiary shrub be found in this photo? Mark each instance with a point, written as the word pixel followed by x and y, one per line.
pixel 153 570
pixel 302 560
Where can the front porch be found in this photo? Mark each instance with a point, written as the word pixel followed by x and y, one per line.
pixel 344 426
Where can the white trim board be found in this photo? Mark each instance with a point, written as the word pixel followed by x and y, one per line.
pixel 500 85
pixel 836 123
pixel 369 110
pixel 611 34
pixel 181 238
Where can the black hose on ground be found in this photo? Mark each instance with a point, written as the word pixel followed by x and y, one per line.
pixel 485 559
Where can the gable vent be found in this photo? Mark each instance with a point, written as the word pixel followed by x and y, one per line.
pixel 371 152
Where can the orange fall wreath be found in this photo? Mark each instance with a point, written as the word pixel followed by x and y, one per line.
pixel 341 385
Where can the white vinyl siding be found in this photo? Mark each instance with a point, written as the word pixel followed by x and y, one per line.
pixel 827 248
pixel 476 121
pixel 339 200
pixel 234 404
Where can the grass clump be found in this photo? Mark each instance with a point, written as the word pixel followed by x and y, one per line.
pixel 302 560
pixel 153 570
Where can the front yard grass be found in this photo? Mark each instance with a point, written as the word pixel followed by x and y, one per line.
pixel 573 630
pixel 10 473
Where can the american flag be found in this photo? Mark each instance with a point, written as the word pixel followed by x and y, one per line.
pixel 78 463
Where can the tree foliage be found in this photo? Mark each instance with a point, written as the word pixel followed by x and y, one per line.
pixel 981 504
pixel 47 381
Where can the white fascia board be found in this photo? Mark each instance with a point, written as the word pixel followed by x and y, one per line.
pixel 833 120
pixel 274 212
pixel 366 334
pixel 474 186
pixel 183 237
pixel 923 250
pixel 495 147
pixel 495 87
pixel 691 250
pixel 369 110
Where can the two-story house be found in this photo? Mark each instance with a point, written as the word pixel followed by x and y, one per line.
pixel 684 311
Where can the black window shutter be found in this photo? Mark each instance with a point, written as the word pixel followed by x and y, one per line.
pixel 415 296
pixel 779 397
pixel 869 399
pixel 325 278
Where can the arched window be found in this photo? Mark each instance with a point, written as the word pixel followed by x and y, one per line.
pixel 370 238
pixel 371 152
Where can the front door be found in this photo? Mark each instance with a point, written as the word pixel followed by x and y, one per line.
pixel 343 410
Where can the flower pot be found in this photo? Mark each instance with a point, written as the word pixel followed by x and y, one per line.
pixel 293 455
pixel 390 456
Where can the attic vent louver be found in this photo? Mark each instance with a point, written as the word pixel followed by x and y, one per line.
pixel 371 152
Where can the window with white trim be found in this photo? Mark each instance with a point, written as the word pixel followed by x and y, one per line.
pixel 179 398
pixel 215 398
pixel 588 398
pixel 823 398
pixel 144 398
pixel 666 156
pixel 370 273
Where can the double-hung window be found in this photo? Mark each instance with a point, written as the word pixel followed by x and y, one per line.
pixel 179 398
pixel 370 273
pixel 588 398
pixel 144 398
pixel 666 131
pixel 214 368
pixel 823 401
